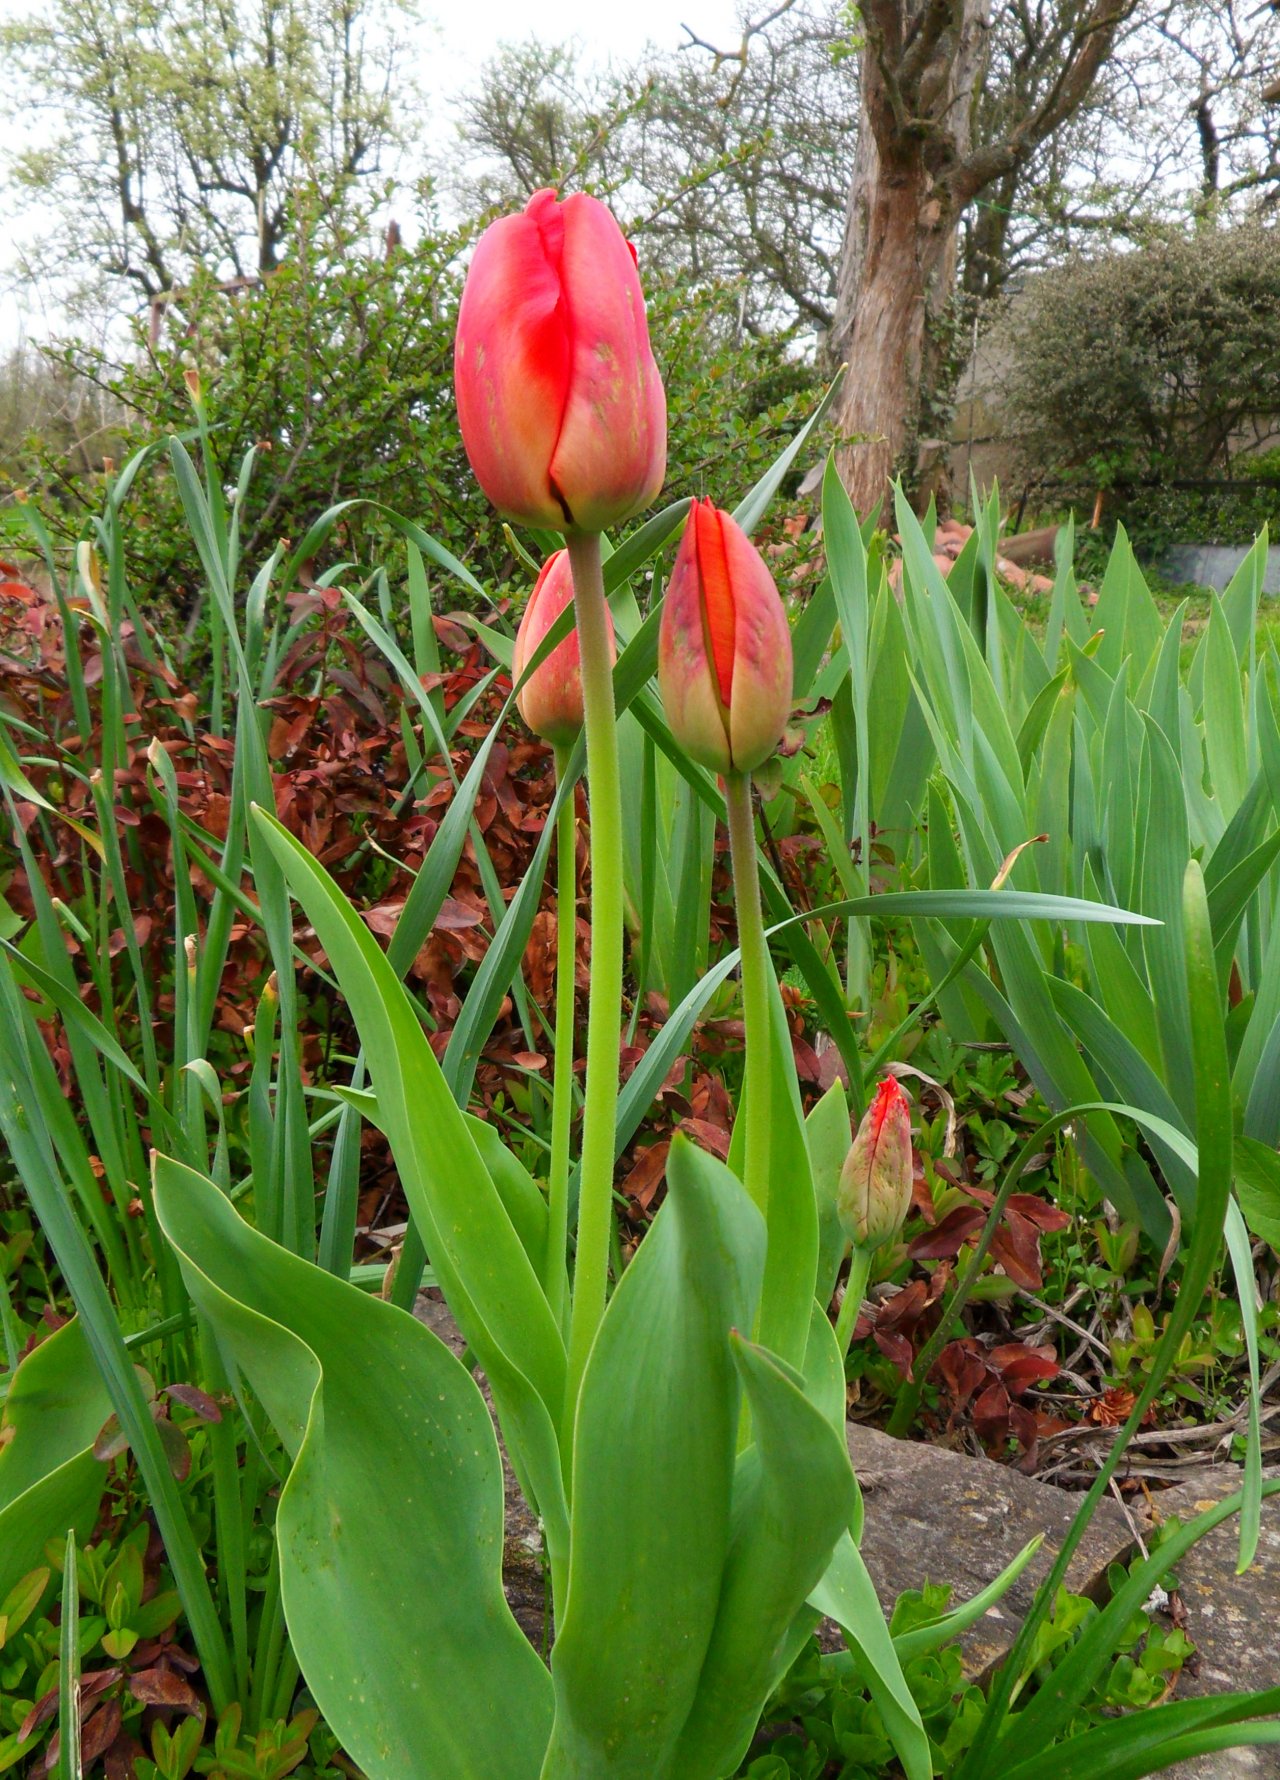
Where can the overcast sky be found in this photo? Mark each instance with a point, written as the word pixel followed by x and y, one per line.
pixel 457 38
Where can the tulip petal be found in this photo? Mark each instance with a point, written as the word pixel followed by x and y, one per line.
pixel 551 700
pixel 689 693
pixel 762 665
pixel 717 594
pixel 610 453
pixel 513 362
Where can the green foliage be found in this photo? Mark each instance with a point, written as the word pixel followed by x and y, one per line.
pixel 943 704
pixel 180 137
pixel 1149 366
pixel 822 1719
pixel 338 365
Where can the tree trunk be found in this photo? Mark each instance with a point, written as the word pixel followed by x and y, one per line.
pixel 898 253
pixel 897 270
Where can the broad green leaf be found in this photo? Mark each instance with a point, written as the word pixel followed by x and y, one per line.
pixel 824 1380
pixel 1110 1053
pixel 1258 1188
pixel 657 1423
pixel 526 1205
pixel 1121 989
pixel 811 638
pixel 49 1478
pixel 1224 715
pixel 902 751
pixel 489 1282
pixel 406 1641
pixel 1166 849
pixel 793 1494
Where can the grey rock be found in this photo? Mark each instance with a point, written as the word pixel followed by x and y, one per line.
pixel 1234 1620
pixel 939 1516
pixel 945 1517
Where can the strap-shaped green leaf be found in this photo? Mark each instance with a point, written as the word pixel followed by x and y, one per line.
pixel 657 1425
pixel 402 1630
pixel 793 1495
pixel 1147 1742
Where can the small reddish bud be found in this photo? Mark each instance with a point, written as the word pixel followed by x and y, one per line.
pixel 550 701
pixel 724 649
pixel 875 1182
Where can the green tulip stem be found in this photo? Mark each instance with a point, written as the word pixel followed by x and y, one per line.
pixel 562 1083
pixel 604 1012
pixel 854 1292
pixel 757 1075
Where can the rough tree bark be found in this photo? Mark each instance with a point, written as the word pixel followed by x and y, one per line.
pixel 917 169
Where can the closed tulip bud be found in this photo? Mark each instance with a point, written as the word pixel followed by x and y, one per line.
pixel 724 649
pixel 550 701
pixel 561 406
pixel 875 1182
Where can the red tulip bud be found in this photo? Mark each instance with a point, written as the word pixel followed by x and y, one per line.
pixel 724 650
pixel 559 399
pixel 875 1182
pixel 550 701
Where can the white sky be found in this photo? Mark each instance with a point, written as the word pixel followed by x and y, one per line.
pixel 457 38
pixel 462 35
pixel 473 28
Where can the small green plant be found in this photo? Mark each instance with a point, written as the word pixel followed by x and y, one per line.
pixel 822 1720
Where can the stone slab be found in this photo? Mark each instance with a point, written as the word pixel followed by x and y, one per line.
pixel 1213 565
pixel 946 1517
pixel 1234 1620
pixel 939 1516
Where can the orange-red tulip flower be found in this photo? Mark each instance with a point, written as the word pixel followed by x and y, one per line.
pixel 724 649
pixel 551 699
pixel 561 406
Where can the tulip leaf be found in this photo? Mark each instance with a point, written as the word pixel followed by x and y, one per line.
pixel 501 1308
pixel 827 1133
pixel 657 1425
pixel 49 1478
pixel 847 1594
pixel 790 1271
pixel 753 506
pixel 525 1204
pixel 406 1642
pixel 793 1495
